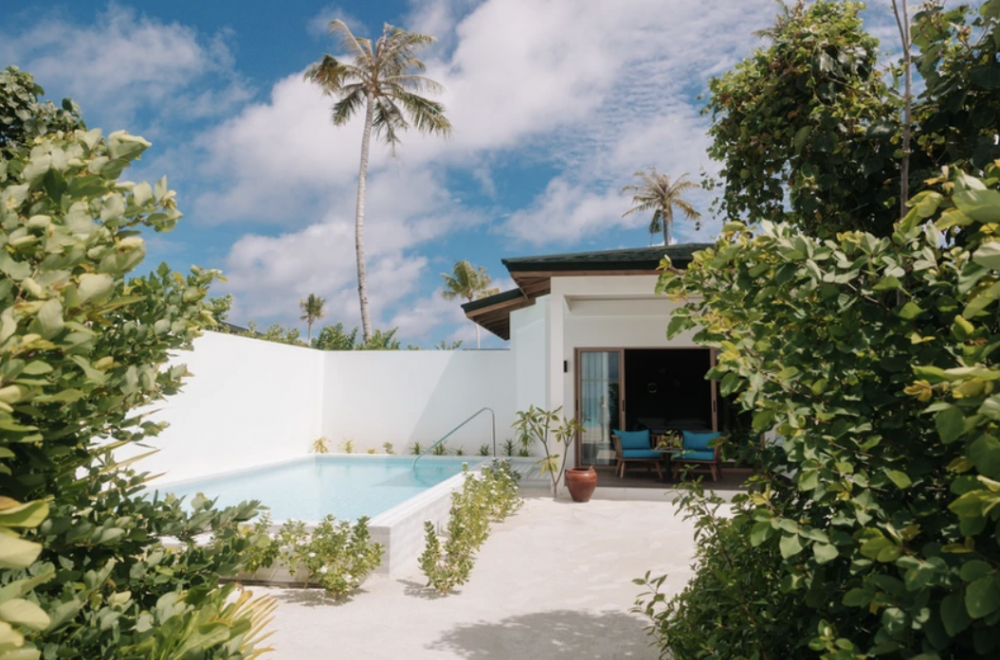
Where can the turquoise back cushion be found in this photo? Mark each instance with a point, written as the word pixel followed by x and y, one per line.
pixel 699 441
pixel 633 439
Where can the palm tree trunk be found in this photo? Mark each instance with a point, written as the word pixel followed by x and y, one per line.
pixel 668 219
pixel 309 332
pixel 359 220
pixel 903 22
pixel 477 333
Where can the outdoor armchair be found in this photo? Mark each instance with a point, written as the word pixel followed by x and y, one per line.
pixel 697 452
pixel 634 447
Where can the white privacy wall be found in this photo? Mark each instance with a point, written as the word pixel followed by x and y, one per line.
pixel 249 402
pixel 402 397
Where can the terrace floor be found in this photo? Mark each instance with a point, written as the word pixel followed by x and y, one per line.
pixel 638 477
pixel 553 581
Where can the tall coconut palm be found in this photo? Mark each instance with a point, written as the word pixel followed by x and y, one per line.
pixel 382 79
pixel 658 194
pixel 312 311
pixel 469 283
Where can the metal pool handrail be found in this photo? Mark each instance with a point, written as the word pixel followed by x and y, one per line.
pixel 451 432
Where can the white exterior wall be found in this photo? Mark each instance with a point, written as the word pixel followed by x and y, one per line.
pixel 249 402
pixel 528 344
pixel 254 402
pixel 612 311
pixel 404 397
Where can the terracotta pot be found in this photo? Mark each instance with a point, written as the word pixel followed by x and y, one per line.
pixel 581 482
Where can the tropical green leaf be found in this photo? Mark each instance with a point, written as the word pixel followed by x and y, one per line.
pixel 982 597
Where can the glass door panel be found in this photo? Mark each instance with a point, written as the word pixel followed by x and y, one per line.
pixel 600 394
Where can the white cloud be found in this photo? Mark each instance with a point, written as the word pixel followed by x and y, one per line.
pixel 566 211
pixel 602 92
pixel 126 61
pixel 406 211
pixel 419 320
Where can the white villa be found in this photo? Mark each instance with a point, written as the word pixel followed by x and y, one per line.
pixel 586 332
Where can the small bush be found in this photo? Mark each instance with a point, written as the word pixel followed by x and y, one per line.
pixel 347 446
pixel 490 498
pixel 387 446
pixel 321 446
pixel 735 606
pixel 336 555
pixel 440 450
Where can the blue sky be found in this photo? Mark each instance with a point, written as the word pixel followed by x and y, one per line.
pixel 554 104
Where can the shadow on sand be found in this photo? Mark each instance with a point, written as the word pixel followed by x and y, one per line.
pixel 557 634
pixel 419 590
pixel 311 597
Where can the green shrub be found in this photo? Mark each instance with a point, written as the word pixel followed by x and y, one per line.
pixel 440 450
pixel 84 346
pixel 874 359
pixel 720 612
pixel 490 498
pixel 336 555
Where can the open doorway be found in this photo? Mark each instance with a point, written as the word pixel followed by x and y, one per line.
pixel 638 388
pixel 665 389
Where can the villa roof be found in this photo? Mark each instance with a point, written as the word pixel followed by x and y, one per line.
pixel 644 259
pixel 533 276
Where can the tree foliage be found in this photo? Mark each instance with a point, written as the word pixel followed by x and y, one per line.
pixel 84 571
pixel 336 338
pixel 809 132
pixel 23 117
pixel 874 359
pixel 957 114
pixel 468 282
pixel 387 76
pixel 312 311
pixel 804 128
pixel 657 193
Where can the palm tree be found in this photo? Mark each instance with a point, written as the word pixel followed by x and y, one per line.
pixel 469 283
pixel 312 311
pixel 657 194
pixel 384 79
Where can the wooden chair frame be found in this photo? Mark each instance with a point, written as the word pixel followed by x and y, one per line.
pixel 714 466
pixel 623 462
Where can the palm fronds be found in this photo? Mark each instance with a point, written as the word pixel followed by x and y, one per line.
pixel 386 74
pixel 657 193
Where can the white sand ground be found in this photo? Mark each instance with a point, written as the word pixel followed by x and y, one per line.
pixel 553 581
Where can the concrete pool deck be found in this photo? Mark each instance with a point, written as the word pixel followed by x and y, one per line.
pixel 553 581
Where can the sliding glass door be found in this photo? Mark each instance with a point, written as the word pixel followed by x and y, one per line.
pixel 600 405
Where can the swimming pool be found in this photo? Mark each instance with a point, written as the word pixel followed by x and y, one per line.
pixel 312 487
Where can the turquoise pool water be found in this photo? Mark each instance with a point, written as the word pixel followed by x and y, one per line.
pixel 347 487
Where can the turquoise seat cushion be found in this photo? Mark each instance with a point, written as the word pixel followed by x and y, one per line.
pixel 633 439
pixel 697 455
pixel 699 441
pixel 640 453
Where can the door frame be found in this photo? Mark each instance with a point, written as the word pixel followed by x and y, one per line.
pixel 578 384
pixel 578 387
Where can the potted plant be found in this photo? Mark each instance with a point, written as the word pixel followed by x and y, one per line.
pixel 548 426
